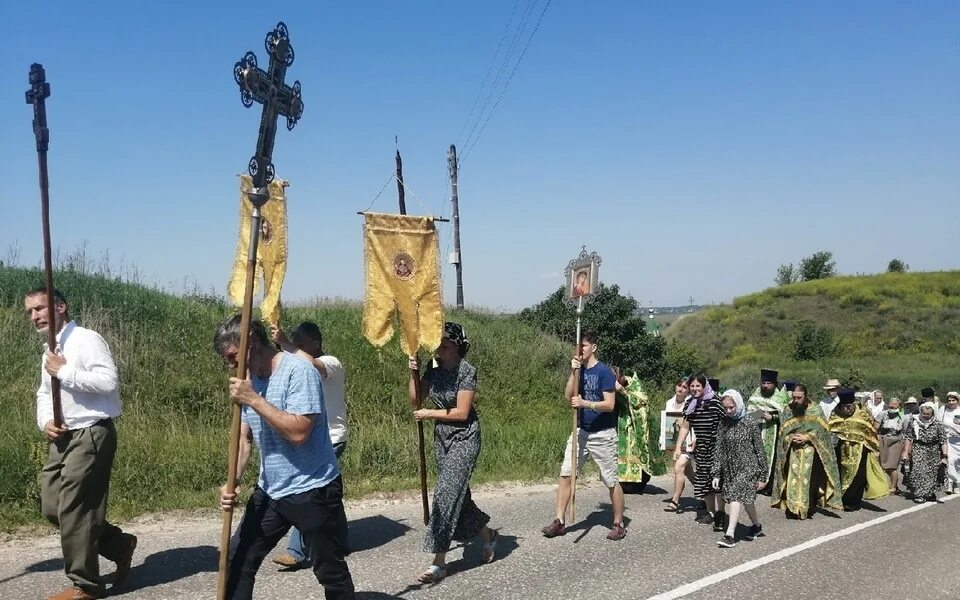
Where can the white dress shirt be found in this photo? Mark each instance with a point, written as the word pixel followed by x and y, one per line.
pixel 827 405
pixel 89 385
pixel 334 398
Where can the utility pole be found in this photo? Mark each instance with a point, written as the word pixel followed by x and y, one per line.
pixel 403 202
pixel 455 258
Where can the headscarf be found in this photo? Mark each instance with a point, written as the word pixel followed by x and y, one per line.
pixel 456 334
pixel 738 402
pixel 953 395
pixel 933 412
pixel 694 403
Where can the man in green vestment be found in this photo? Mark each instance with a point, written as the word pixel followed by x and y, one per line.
pixel 805 475
pixel 858 452
pixel 772 401
pixel 633 431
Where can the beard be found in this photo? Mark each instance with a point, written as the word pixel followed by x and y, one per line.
pixel 798 409
pixel 767 393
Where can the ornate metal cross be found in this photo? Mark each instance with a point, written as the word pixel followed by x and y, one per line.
pixel 278 99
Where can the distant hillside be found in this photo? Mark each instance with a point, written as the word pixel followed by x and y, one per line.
pixel 899 331
pixel 172 451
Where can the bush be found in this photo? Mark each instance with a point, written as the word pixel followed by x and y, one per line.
pixel 819 265
pixel 812 342
pixel 897 266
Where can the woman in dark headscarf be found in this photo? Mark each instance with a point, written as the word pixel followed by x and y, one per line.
pixel 702 412
pixel 451 389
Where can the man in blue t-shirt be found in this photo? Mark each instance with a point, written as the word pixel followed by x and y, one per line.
pixel 299 483
pixel 597 434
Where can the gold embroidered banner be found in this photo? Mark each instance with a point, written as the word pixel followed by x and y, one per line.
pixel 402 256
pixel 271 250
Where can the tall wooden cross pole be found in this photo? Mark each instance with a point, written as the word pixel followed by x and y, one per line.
pixel 278 99
pixel 37 96
pixel 421 444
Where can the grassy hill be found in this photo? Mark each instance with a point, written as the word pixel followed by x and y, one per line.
pixel 172 451
pixel 896 331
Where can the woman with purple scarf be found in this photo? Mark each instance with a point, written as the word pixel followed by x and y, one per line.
pixel 703 413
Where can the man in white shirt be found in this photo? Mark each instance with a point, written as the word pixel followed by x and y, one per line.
pixel 76 477
pixel 306 341
pixel 830 402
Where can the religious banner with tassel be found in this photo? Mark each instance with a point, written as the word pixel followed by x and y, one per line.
pixel 271 250
pixel 402 270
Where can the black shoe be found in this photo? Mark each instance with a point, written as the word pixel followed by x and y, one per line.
pixel 704 518
pixel 719 521
pixel 755 532
pixel 727 542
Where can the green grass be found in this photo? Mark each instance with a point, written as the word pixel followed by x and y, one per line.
pixel 897 332
pixel 173 435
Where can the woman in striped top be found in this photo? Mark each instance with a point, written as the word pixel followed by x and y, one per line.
pixel 702 412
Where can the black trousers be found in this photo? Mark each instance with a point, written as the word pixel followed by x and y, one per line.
pixel 319 516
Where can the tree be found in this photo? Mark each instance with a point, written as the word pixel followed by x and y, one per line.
pixel 897 266
pixel 787 274
pixel 618 321
pixel 812 342
pixel 818 265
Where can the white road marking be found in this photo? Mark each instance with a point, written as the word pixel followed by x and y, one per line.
pixel 695 586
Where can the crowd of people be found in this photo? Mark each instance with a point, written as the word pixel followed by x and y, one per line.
pixel 808 455
pixel 834 453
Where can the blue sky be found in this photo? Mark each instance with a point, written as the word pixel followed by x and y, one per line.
pixel 694 145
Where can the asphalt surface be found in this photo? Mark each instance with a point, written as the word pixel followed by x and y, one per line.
pixel 911 555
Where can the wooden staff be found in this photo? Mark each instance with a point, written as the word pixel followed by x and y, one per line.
pixel 234 447
pixel 415 375
pixel 37 94
pixel 422 455
pixel 575 445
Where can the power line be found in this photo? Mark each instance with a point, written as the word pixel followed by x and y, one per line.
pixel 507 84
pixel 507 59
pixel 486 78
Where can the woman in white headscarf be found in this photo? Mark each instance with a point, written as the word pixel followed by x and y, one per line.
pixel 925 449
pixel 739 465
pixel 949 418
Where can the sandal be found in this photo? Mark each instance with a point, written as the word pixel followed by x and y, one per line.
pixel 490 548
pixel 673 507
pixel 434 574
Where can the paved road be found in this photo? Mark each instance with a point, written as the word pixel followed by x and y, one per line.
pixel 899 550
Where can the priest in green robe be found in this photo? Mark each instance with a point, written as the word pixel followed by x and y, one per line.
pixel 805 475
pixel 858 452
pixel 633 430
pixel 771 400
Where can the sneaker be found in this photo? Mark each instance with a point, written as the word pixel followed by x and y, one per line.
pixel 554 529
pixel 704 517
pixel 755 532
pixel 290 562
pixel 618 532
pixel 727 542
pixel 719 521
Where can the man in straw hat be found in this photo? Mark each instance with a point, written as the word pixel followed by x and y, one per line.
pixel 829 403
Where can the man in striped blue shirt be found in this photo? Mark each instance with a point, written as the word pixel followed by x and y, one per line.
pixel 299 483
